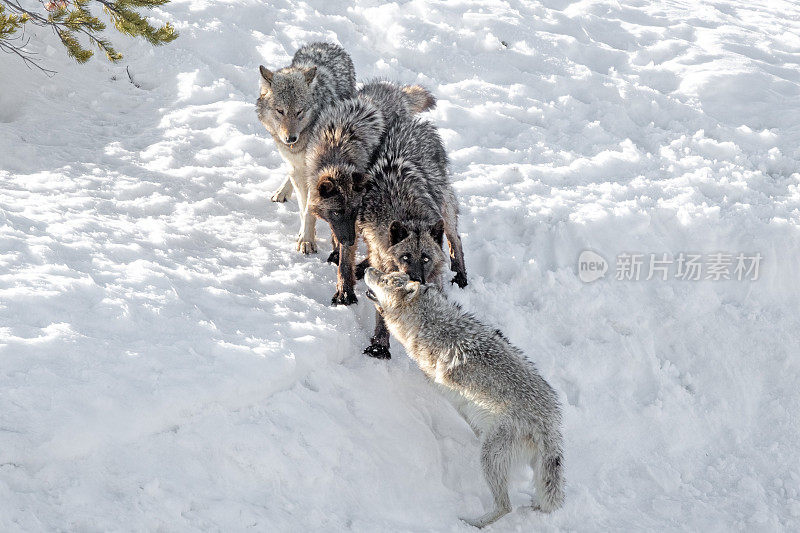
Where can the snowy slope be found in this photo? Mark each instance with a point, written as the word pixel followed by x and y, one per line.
pixel 167 361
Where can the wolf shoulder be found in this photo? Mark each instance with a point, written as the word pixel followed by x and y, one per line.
pixel 335 68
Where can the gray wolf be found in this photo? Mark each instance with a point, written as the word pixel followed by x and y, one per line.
pixel 289 106
pixel 489 381
pixel 339 154
pixel 407 210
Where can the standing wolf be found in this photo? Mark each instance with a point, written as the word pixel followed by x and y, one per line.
pixel 489 381
pixel 339 155
pixel 291 101
pixel 407 210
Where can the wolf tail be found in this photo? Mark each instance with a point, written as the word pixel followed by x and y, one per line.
pixel 418 98
pixel 548 464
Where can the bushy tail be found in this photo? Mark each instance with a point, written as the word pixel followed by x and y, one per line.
pixel 419 99
pixel 549 465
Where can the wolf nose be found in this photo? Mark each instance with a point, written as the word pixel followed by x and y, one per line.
pixel 291 139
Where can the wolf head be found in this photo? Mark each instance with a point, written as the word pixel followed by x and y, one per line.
pixel 390 292
pixel 286 104
pixel 417 250
pixel 336 198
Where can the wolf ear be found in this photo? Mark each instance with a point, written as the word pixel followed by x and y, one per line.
pixel 266 79
pixel 360 181
pixel 309 73
pixel 266 74
pixel 326 188
pixel 437 231
pixel 397 232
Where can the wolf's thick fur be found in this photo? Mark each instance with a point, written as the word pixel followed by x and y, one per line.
pixel 290 104
pixel 409 206
pixel 339 154
pixel 419 99
pixel 490 382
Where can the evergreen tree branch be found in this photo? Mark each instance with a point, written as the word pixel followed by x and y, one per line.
pixel 70 19
pixel 27 57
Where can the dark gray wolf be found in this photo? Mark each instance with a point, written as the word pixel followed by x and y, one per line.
pixel 408 209
pixel 290 104
pixel 339 154
pixel 489 381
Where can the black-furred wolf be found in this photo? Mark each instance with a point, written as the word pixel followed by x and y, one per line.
pixel 407 210
pixel 291 101
pixel 489 381
pixel 342 147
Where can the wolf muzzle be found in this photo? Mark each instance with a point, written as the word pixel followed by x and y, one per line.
pixel 345 232
pixel 417 274
pixel 371 277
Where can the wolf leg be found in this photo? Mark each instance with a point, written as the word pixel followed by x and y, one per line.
pixel 283 192
pixel 456 251
pixel 548 467
pixel 379 344
pixel 363 265
pixel 496 454
pixel 461 405
pixel 334 255
pixel 346 279
pixel 361 268
pixel 306 242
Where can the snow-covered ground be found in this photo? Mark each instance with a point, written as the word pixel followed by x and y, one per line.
pixel 169 362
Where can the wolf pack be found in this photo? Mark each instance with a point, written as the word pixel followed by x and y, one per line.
pixel 368 164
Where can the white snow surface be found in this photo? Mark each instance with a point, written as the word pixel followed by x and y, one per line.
pixel 169 362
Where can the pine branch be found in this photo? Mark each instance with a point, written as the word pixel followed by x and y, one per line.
pixel 71 19
pixel 27 57
pixel 129 22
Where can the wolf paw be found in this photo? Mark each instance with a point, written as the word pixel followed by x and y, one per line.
pixel 361 268
pixel 280 196
pixel 471 522
pixel 344 297
pixel 460 279
pixel 488 518
pixel 378 351
pixel 537 505
pixel 334 257
pixel 306 247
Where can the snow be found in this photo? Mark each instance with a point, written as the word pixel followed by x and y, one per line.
pixel 168 361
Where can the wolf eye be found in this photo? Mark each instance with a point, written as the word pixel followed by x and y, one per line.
pixel 336 214
pixel 299 113
pixel 405 258
pixel 425 258
pixel 279 111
